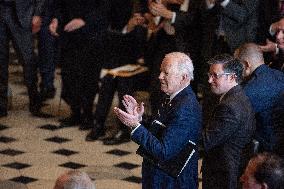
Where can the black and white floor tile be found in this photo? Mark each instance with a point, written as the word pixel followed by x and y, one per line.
pixel 35 151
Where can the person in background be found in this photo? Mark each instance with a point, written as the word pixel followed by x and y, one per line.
pixel 264 171
pixel 47 54
pixel 263 86
pixel 81 28
pixel 174 28
pixel 19 19
pixel 127 39
pixel 276 49
pixel 74 180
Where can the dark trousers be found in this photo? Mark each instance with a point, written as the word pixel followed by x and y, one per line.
pixel 10 29
pixel 108 88
pixel 48 55
pixel 80 69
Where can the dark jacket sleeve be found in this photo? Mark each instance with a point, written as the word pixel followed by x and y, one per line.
pixel 184 125
pixel 39 6
pixel 98 16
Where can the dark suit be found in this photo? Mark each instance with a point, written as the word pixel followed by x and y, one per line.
pixel 121 49
pixel 27 9
pixel 160 44
pixel 278 128
pixel 182 118
pixel 225 137
pixel 47 50
pixel 264 89
pixel 16 23
pixel 81 52
pixel 239 22
pixel 268 14
pixel 188 37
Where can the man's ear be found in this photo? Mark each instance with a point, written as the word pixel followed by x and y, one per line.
pixel 246 64
pixel 185 77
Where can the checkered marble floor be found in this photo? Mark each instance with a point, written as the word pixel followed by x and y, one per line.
pixel 35 151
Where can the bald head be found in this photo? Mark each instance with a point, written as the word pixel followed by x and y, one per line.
pixel 74 180
pixel 251 57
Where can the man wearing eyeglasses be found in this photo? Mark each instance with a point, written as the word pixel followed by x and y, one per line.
pixel 230 127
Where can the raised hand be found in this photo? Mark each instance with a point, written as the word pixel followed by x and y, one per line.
pixel 53 27
pixel 136 20
pixel 159 9
pixel 36 24
pixel 179 2
pixel 268 47
pixel 132 107
pixel 74 24
pixel 130 120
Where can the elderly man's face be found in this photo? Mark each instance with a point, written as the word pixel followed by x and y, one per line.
pixel 170 78
pixel 248 179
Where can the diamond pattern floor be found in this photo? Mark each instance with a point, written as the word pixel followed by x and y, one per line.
pixel 35 151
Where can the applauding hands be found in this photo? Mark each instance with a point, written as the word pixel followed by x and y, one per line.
pixel 133 114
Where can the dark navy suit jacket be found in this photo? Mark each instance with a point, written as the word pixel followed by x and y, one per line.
pixel 264 89
pixel 182 118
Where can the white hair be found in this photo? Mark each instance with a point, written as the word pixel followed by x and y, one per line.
pixel 74 180
pixel 184 63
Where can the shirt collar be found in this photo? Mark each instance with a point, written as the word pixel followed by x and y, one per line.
pixel 175 94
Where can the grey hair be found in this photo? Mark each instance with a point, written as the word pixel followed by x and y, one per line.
pixel 74 180
pixel 184 63
pixel 230 65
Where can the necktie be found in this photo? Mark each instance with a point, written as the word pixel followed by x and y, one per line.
pixel 166 101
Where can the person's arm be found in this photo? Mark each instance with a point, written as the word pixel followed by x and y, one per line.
pixel 274 27
pixel 39 6
pixel 184 19
pixel 57 17
pixel 183 126
pixel 240 12
pixel 98 15
pixel 159 9
pixel 269 47
pixel 136 20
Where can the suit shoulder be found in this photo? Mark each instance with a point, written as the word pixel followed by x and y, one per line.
pixel 238 100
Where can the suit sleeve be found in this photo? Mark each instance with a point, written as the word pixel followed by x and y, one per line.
pixel 240 12
pixel 39 6
pixel 184 125
pixel 98 15
pixel 221 127
pixel 188 18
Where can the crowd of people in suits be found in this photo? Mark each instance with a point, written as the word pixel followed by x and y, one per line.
pixel 173 37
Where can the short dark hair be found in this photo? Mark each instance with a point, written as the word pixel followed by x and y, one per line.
pixel 269 170
pixel 230 65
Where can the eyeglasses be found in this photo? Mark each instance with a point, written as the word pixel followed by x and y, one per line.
pixel 218 75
